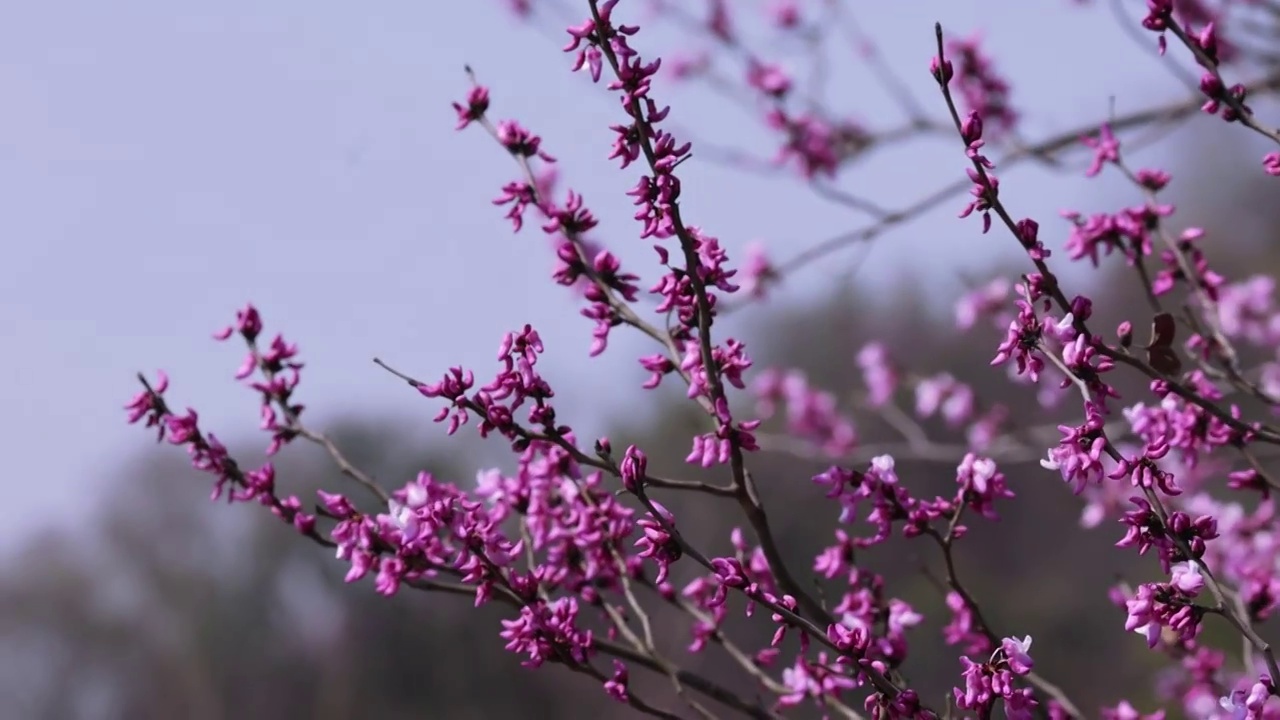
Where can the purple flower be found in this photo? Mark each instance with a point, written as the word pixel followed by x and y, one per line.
pixel 1106 150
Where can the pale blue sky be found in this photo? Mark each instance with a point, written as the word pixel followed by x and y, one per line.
pixel 162 163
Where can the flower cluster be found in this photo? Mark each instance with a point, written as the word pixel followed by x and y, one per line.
pixel 571 540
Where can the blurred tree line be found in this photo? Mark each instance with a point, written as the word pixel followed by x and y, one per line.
pixel 169 607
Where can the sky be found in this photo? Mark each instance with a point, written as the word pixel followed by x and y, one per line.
pixel 163 165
